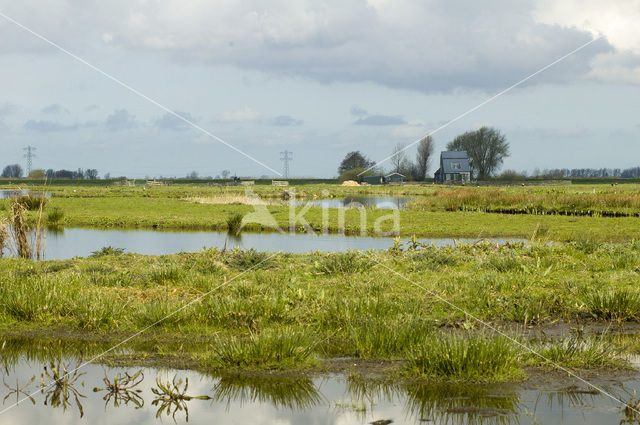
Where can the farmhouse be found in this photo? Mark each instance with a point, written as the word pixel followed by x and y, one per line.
pixel 454 167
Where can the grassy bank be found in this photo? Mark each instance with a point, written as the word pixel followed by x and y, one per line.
pixel 165 213
pixel 572 212
pixel 291 311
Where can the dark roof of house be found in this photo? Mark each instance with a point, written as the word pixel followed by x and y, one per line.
pixel 454 155
pixel 448 158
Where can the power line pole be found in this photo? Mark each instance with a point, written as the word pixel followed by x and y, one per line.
pixel 29 155
pixel 285 157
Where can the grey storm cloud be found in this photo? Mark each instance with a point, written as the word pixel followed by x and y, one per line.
pixel 44 126
pixel 171 122
pixel 55 109
pixel 119 120
pixel 285 121
pixel 380 120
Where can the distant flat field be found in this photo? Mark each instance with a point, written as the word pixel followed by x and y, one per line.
pixel 436 211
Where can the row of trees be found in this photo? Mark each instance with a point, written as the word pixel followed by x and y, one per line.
pixel 575 173
pixel 486 148
pixel 15 171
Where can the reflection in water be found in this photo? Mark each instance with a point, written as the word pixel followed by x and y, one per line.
pixel 73 242
pixel 19 391
pixel 122 389
pixel 456 404
pixel 61 391
pixel 293 393
pixel 171 397
pixel 274 398
pixel 440 403
pixel 379 202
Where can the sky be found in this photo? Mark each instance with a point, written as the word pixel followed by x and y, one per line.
pixel 317 78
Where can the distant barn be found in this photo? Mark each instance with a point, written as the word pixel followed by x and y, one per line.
pixel 454 167
pixel 389 178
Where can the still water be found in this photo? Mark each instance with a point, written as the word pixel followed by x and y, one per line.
pixel 327 399
pixel 72 242
pixel 379 202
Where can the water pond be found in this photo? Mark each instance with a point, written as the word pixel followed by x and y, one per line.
pixel 379 202
pixel 79 242
pixel 145 398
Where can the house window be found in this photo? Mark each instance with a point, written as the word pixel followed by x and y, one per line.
pixel 455 165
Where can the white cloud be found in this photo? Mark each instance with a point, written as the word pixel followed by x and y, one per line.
pixel 432 45
pixel 616 21
pixel 244 114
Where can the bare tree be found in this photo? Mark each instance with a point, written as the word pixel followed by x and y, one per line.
pixel 398 158
pixel 425 150
pixel 225 173
pixel 12 171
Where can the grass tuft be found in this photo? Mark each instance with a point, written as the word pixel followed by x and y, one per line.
pixel 617 304
pixel 272 349
pixel 343 262
pixel 475 357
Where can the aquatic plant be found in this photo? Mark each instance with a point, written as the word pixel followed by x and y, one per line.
pixel 122 389
pixel 61 390
pixel 172 397
pixel 19 390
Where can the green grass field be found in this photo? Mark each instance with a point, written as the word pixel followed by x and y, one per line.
pixel 292 310
pixel 296 311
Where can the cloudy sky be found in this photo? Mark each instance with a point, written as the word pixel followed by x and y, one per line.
pixel 319 78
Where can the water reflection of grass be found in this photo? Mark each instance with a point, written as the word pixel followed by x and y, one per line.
pixel 283 392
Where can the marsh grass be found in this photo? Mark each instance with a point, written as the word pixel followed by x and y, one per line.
pixel 278 348
pixel 107 250
pixel 469 357
pixel 31 203
pixel 234 224
pixel 343 262
pixel 589 352
pixel 55 216
pixel 380 338
pixel 614 304
pixel 245 259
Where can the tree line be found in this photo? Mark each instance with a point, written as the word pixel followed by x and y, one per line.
pixel 486 147
pixel 15 171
